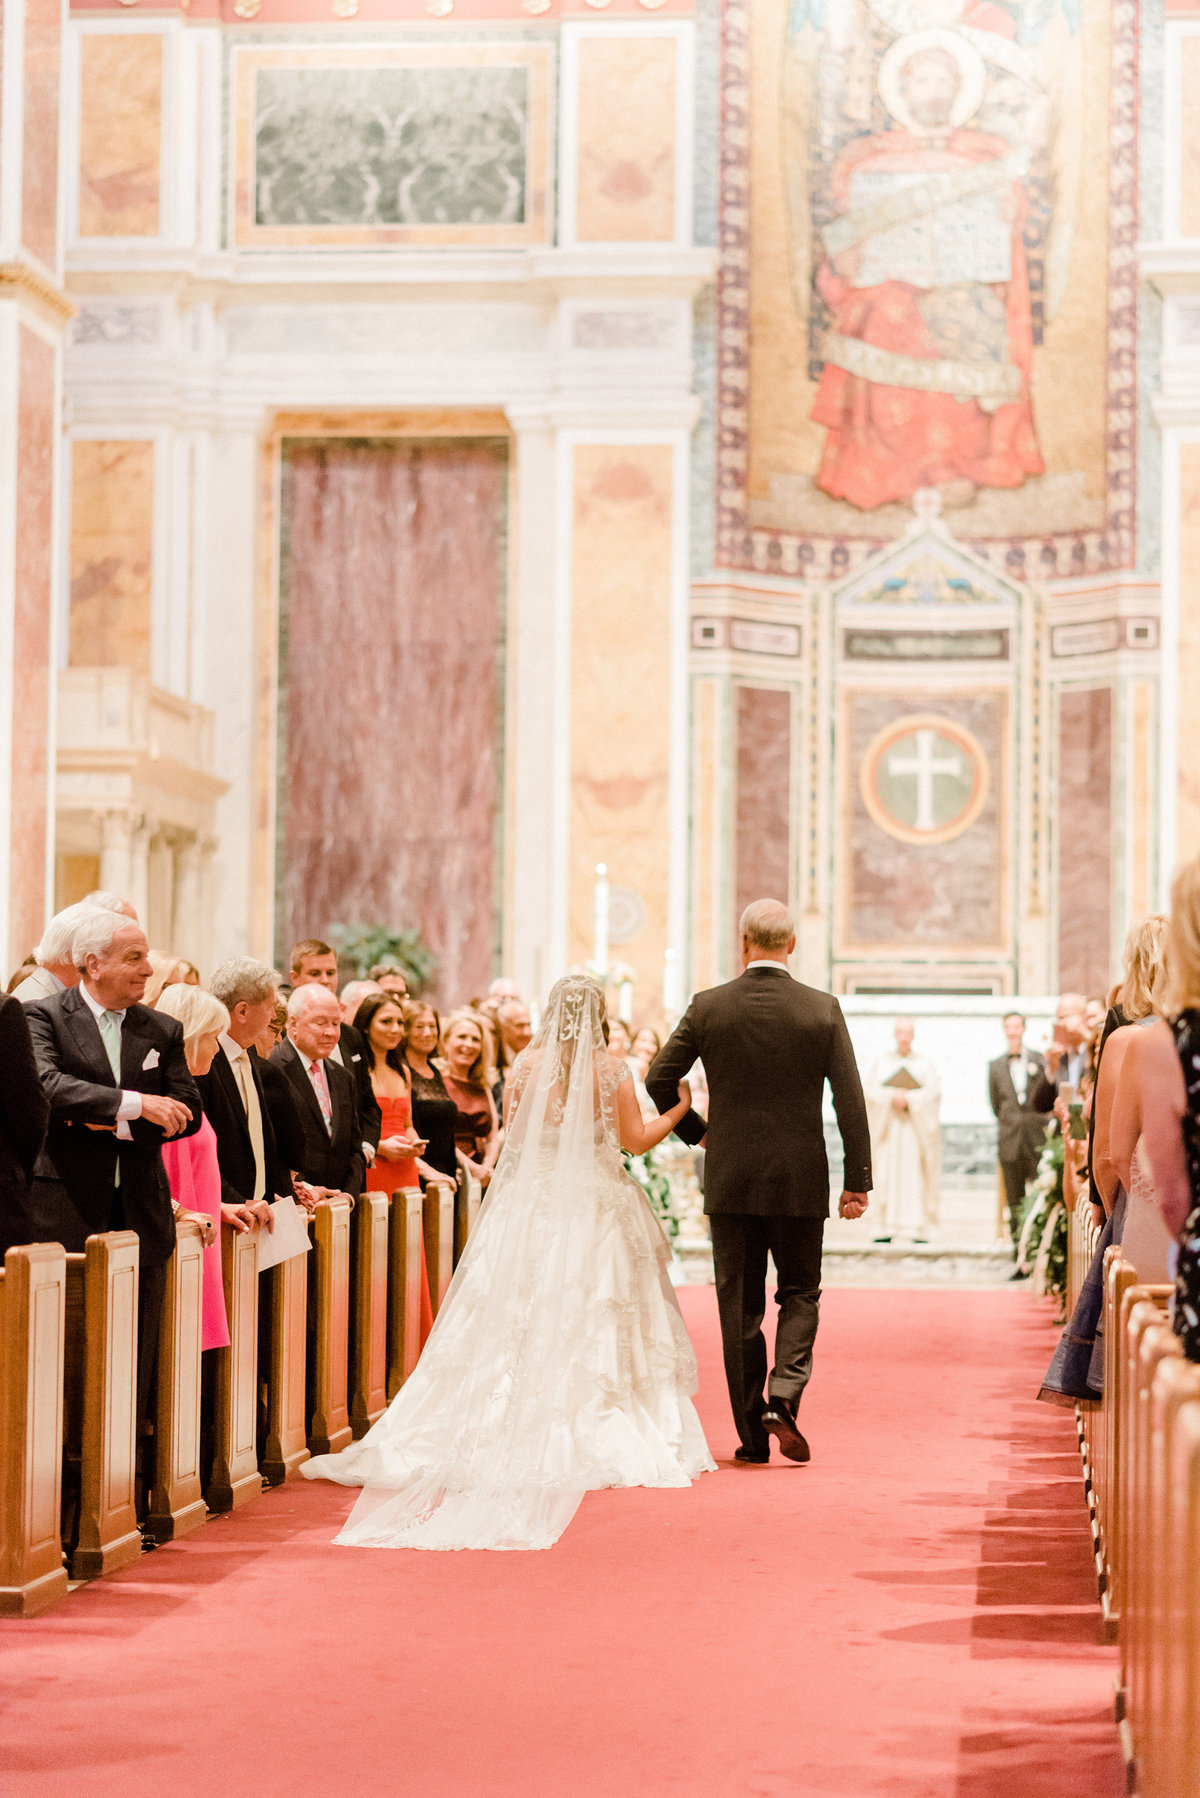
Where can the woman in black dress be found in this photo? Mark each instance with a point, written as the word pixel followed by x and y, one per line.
pixel 433 1110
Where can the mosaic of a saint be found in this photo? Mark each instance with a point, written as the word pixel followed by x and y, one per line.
pixel 928 236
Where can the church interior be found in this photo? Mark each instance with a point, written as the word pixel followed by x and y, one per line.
pixel 491 488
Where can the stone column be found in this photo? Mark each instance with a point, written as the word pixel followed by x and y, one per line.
pixel 116 865
pixel 139 867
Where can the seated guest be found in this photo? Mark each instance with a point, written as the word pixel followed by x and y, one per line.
pixel 465 1073
pixel 389 979
pixel 117 1079
pixel 434 1111
pixel 252 1170
pixel 24 1114
pixel 326 1094
pixel 193 1168
pixel 313 963
pixel 55 969
pixel 380 1022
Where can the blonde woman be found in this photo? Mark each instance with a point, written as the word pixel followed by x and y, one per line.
pixel 191 1164
pixel 465 1073
pixel 169 970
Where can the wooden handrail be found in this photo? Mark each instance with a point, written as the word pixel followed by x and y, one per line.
pixel 286 1445
pixel 406 1249
pixel 439 1239
pixel 369 1312
pixel 33 1308
pixel 176 1500
pixel 329 1329
pixel 235 1475
pixel 106 1362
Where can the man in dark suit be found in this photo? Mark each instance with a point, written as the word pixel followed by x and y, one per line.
pixel 252 1171
pixel 24 1114
pixel 325 1093
pixel 768 1046
pixel 118 1084
pixel 313 963
pixel 1021 1098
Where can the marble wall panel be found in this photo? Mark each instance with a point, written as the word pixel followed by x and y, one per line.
pixel 390 704
pixel 621 693
pixel 1188 76
pixel 905 889
pixel 1141 866
pixel 37 425
pixel 764 758
pixel 111 554
pixel 1187 656
pixel 1085 841
pixel 705 763
pixel 39 171
pixel 120 134
pixel 625 182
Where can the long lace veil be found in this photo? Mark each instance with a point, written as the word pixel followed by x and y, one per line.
pixel 501 1427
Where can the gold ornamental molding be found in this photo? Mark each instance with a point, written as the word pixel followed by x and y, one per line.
pixel 24 281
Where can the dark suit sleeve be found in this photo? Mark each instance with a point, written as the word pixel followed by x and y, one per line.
pixel 850 1106
pixel 671 1065
pixel 370 1116
pixel 177 1083
pixel 994 1088
pixel 1043 1093
pixel 285 1117
pixel 69 1097
pixel 24 1107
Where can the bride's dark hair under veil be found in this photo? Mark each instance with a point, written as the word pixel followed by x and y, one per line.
pixel 558 1362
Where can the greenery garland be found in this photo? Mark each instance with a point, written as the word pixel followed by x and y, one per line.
pixel 1043 1243
pixel 656 1186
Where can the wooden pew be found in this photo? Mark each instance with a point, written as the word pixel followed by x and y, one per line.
pixel 406 1248
pixel 235 1475
pixel 286 1444
pixel 439 1239
pixel 1119 1277
pixel 176 1500
pixel 100 1404
pixel 33 1310
pixel 1139 1307
pixel 369 1312
pixel 1149 1340
pixel 329 1329
pixel 1173 1766
pixel 1171 1609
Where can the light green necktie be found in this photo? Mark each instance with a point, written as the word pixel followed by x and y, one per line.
pixel 110 1035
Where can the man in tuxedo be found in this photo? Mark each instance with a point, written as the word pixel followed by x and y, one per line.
pixel 1018 1090
pixel 118 1084
pixel 325 1093
pixel 24 1114
pixel 313 963
pixel 252 1173
pixel 768 1046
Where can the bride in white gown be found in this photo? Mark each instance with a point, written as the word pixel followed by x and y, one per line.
pixel 559 1362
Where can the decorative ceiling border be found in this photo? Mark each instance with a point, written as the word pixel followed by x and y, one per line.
pixel 740 545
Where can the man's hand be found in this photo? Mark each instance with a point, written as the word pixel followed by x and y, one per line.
pixel 309 1196
pixel 261 1211
pixel 169 1114
pixel 240 1218
pixel 853 1204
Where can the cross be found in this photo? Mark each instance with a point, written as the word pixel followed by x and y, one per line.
pixel 925 767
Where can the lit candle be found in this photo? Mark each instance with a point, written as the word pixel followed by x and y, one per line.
pixel 600 923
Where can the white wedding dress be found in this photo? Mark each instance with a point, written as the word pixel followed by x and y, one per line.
pixel 559 1362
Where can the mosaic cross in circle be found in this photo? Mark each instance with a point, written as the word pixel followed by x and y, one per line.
pixel 924 779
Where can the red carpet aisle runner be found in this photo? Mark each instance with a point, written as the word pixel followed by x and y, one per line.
pixel 912 1616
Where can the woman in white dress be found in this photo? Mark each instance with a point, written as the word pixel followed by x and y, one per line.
pixel 559 1362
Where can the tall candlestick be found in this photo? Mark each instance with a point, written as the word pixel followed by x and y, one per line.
pixel 600 923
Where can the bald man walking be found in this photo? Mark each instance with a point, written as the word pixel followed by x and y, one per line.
pixel 768 1045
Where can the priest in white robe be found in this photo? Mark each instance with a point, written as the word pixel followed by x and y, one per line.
pixel 903 1096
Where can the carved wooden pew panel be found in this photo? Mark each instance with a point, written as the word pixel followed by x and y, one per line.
pixel 439 1240
pixel 369 1312
pixel 33 1294
pixel 406 1247
pixel 100 1403
pixel 235 1475
pixel 176 1500
pixel 329 1329
pixel 286 1445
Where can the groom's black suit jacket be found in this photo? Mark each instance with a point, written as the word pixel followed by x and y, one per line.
pixel 768 1045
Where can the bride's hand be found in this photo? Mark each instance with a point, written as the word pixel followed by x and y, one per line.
pixel 685 1095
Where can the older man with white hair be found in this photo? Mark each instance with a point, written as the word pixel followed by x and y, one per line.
pixel 56 970
pixel 326 1093
pixel 105 899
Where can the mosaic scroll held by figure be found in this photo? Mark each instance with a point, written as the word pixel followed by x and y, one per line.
pixel 932 155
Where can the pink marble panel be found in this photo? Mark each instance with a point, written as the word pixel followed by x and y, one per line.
pixel 390 700
pixel 764 755
pixel 39 197
pixel 1085 845
pixel 31 643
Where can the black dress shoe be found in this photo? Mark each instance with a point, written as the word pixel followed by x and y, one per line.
pixel 752 1457
pixel 779 1420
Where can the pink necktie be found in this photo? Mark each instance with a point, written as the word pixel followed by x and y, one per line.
pixel 321 1086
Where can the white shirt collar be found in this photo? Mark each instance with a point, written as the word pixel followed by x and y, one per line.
pixel 97 1010
pixel 777 965
pixel 234 1050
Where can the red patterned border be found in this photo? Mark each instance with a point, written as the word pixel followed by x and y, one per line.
pixel 1051 557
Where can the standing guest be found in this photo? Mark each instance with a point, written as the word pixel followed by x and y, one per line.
pixel 903 1096
pixel 106 900
pixel 514 1034
pixel 189 972
pixel 55 970
pixel 389 979
pixel 24 1114
pixel 168 971
pixel 644 1047
pixel 273 1031
pixel 1013 1079
pixel 465 1073
pixel 313 963
pixel 619 1040
pixel 118 1083
pixel 253 1172
pixel 434 1111
pixel 352 996
pixel 1067 1055
pixel 325 1092
pixel 20 975
pixel 193 1167
pixel 380 1022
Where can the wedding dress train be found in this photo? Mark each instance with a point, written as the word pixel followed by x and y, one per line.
pixel 559 1362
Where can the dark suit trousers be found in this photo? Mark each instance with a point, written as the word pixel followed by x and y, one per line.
pixel 740 1247
pixel 1017 1174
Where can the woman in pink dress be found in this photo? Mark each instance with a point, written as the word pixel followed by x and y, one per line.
pixel 397 1165
pixel 191 1165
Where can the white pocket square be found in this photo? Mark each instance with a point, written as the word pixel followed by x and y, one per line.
pixel 151 1060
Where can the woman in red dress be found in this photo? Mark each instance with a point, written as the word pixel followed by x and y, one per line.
pixel 380 1020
